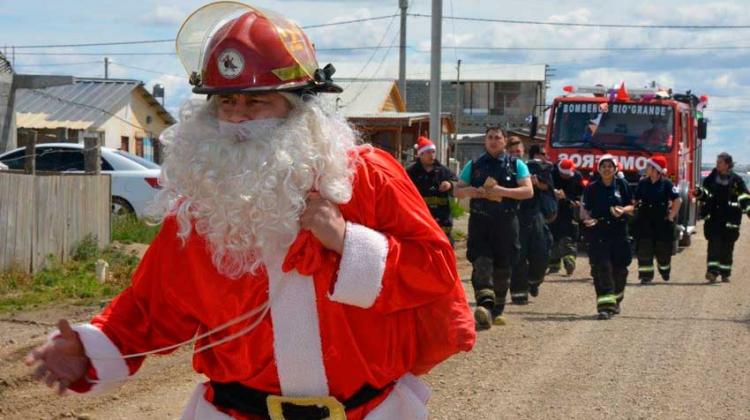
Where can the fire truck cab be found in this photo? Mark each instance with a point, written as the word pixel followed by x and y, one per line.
pixel 587 122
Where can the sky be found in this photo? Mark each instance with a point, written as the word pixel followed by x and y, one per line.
pixel 715 63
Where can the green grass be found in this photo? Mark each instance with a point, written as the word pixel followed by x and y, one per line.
pixel 73 281
pixel 128 229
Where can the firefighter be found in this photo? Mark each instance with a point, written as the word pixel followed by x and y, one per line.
pixel 657 206
pixel 606 203
pixel 534 236
pixel 495 182
pixel 568 184
pixel 434 182
pixel 725 197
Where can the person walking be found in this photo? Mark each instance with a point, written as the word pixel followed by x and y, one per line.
pixel 495 182
pixel 606 203
pixel 657 206
pixel 568 183
pixel 724 198
pixel 534 236
pixel 435 184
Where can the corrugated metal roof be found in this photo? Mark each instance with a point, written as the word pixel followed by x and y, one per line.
pixel 86 103
pixel 469 72
pixel 359 96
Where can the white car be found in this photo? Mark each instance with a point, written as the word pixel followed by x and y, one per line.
pixel 135 180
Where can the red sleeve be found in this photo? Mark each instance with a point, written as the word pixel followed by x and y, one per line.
pixel 401 258
pixel 148 315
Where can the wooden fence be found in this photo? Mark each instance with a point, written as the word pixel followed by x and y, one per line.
pixel 49 214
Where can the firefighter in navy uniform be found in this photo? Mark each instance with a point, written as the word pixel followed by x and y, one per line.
pixel 534 235
pixel 725 198
pixel 657 206
pixel 568 184
pixel 494 182
pixel 606 203
pixel 434 182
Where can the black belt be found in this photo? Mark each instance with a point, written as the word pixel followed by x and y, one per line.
pixel 234 395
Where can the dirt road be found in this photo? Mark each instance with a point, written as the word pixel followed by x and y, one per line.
pixel 678 350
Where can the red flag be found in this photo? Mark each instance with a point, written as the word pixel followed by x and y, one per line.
pixel 622 93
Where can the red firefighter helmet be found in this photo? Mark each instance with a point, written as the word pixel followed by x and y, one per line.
pixel 230 47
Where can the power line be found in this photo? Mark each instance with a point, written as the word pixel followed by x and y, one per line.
pixel 346 22
pixel 96 53
pixel 58 64
pixel 172 40
pixel 585 25
pixel 382 39
pixel 95 44
pixel 127 66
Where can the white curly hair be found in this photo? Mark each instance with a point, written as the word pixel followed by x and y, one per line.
pixel 245 198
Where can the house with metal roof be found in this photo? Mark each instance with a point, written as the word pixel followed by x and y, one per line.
pixel 121 111
pixel 480 94
pixel 375 108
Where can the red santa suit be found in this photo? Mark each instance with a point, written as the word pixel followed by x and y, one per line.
pixel 336 322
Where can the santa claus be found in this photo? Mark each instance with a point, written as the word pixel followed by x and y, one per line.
pixel 305 270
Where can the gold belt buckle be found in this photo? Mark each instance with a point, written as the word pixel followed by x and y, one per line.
pixel 335 408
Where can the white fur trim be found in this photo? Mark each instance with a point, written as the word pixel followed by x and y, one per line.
pixel 407 400
pixel 362 266
pixel 656 166
pixel 425 148
pixel 111 369
pixel 296 333
pixel 198 408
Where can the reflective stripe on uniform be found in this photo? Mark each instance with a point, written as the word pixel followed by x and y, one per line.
pixel 646 269
pixel 743 197
pixel 713 264
pixel 606 299
pixel 665 267
pixel 436 201
pixel 732 226
pixel 513 295
pixel 725 267
pixel 734 204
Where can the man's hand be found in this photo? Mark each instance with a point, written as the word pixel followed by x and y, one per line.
pixel 61 360
pixel 560 194
pixel 472 192
pixel 590 222
pixel 617 211
pixel 445 186
pixel 323 218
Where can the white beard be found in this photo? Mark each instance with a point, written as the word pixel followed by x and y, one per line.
pixel 245 198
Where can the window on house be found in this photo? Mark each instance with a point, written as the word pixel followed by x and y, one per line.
pixel 476 98
pixel 125 143
pixel 139 147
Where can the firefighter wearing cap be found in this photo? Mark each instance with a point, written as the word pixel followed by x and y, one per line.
pixel 606 203
pixel 495 182
pixel 657 206
pixel 304 270
pixel 724 197
pixel 568 183
pixel 434 182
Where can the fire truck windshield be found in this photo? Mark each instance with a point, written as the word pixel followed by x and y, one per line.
pixel 623 126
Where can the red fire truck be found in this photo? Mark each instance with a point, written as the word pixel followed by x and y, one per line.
pixel 587 122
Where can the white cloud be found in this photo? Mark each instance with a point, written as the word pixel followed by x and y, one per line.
pixel 165 15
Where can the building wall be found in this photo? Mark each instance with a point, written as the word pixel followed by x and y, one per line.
pixel 138 125
pixel 517 105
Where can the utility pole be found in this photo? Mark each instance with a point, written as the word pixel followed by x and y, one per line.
pixel 435 60
pixel 13 56
pixel 458 99
pixel 106 67
pixel 403 4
